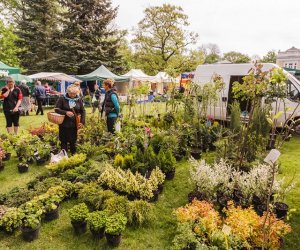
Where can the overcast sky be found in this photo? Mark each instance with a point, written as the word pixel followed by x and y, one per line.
pixel 253 27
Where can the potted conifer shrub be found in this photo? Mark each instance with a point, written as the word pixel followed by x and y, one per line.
pixel 78 215
pixel 114 227
pixel 96 221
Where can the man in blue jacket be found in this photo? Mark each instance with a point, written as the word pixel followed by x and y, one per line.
pixel 110 106
pixel 40 95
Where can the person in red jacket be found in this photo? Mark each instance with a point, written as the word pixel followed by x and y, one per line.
pixel 12 96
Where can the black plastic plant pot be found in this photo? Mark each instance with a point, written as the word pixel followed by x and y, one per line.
pixel 237 195
pixel 23 168
pixel 160 188
pixel 113 240
pixel 223 201
pixel 155 196
pixel 79 227
pixel 281 209
pixel 29 161
pixel 30 234
pixel 52 215
pixel 99 234
pixel 41 161
pixel 260 209
pixel 170 175
pixel 196 153
pixel 7 157
pixel 196 195
pixel 256 201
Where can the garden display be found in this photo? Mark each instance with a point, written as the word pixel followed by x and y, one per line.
pixel 115 185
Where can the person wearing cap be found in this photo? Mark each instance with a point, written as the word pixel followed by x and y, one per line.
pixel 40 94
pixel 25 104
pixel 110 106
pixel 12 96
pixel 71 106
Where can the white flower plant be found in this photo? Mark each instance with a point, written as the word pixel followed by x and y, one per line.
pixel 222 178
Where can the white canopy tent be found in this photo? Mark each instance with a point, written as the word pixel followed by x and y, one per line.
pixel 136 75
pixel 55 76
pixel 161 80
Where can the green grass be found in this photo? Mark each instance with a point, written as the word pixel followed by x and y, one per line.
pixel 58 234
pixel 290 168
pixel 158 235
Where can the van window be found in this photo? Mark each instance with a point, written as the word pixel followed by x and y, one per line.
pixel 292 92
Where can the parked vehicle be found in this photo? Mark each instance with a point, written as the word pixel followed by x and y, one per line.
pixel 235 72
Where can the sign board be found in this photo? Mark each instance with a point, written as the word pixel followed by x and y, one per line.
pixel 272 157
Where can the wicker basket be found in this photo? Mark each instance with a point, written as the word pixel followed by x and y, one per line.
pixel 55 117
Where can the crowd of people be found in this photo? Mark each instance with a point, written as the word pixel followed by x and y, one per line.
pixel 71 105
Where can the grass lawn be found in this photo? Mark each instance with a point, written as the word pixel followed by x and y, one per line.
pixel 158 235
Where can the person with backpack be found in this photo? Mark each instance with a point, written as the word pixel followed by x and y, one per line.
pixel 40 94
pixel 110 106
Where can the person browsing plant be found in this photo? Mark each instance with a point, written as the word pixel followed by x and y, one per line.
pixel 110 106
pixel 71 106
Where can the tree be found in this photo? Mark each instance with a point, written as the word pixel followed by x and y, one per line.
pixel 236 57
pixel 212 52
pixel 8 49
pixel 270 57
pixel 160 37
pixel 36 30
pixel 88 38
pixel 185 62
pixel 212 58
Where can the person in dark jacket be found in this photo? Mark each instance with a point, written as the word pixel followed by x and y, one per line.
pixel 71 106
pixel 110 106
pixel 39 93
pixel 96 103
pixel 12 96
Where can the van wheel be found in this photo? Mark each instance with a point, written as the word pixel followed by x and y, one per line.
pixel 296 128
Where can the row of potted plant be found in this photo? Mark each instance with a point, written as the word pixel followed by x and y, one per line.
pixel 99 222
pixel 134 185
pixel 200 225
pixel 66 163
pixel 28 215
pixel 221 182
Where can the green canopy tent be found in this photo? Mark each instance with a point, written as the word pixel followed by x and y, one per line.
pixel 20 77
pixel 10 70
pixel 6 70
pixel 102 73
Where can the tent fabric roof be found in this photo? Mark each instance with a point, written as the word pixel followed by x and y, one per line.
pixel 137 74
pixel 163 77
pixel 53 76
pixel 20 77
pixel 11 70
pixel 102 73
